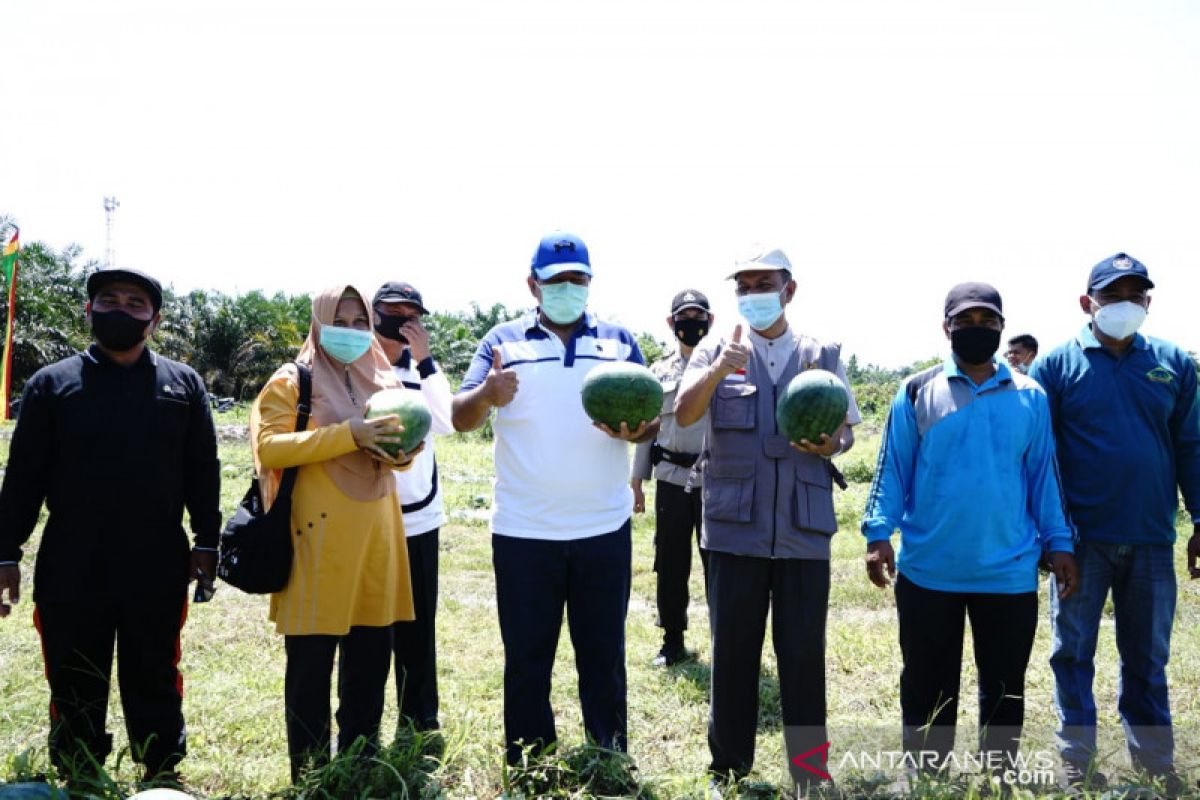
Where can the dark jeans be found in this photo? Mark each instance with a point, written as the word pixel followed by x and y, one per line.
pixel 78 639
pixel 363 663
pixel 1142 579
pixel 932 626
pixel 741 591
pixel 678 515
pixel 415 643
pixel 535 579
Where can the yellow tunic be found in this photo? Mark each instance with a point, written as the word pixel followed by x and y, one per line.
pixel 351 562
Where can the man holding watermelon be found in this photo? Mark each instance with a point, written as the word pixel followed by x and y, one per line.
pixel 116 441
pixel 966 472
pixel 1127 422
pixel 398 310
pixel 768 519
pixel 561 517
pixel 677 511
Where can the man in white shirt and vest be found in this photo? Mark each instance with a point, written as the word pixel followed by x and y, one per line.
pixel 768 520
pixel 398 311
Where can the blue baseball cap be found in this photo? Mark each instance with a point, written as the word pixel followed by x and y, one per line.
pixel 1116 267
pixel 560 252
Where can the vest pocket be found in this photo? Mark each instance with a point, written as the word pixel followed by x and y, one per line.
pixel 734 406
pixel 812 498
pixel 729 491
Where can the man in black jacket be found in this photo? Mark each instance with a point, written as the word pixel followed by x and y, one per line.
pixel 116 441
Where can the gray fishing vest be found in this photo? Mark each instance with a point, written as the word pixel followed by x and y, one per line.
pixel 763 497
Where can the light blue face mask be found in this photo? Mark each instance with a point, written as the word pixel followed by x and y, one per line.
pixel 345 344
pixel 760 310
pixel 564 302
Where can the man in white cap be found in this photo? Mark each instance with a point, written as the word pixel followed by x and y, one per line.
pixel 768 519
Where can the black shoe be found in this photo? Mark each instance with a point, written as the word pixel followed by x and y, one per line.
pixel 669 656
pixel 1081 775
pixel 1173 784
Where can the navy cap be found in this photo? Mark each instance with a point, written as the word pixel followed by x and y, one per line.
pixel 399 292
pixel 101 278
pixel 689 298
pixel 973 295
pixel 560 252
pixel 1114 268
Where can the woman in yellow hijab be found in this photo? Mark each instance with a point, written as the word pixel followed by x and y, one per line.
pixel 350 576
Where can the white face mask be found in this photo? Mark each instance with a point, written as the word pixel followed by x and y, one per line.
pixel 1119 320
pixel 760 310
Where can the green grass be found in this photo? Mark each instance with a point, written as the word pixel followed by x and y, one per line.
pixel 233 669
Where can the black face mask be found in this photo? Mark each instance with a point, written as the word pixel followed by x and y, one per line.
pixel 389 326
pixel 690 331
pixel 118 331
pixel 975 345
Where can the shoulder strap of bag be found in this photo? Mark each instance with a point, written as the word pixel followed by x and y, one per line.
pixel 303 409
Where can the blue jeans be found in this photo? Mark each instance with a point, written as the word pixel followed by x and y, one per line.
pixel 535 580
pixel 1142 579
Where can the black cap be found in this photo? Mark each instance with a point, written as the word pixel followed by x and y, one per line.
pixel 973 295
pixel 399 292
pixel 689 298
pixel 103 277
pixel 1116 267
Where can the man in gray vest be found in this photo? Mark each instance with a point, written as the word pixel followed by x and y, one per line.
pixel 677 512
pixel 768 519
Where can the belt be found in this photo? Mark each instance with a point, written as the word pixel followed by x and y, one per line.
pixel 659 453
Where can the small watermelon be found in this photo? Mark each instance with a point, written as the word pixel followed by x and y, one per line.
pixel 621 391
pixel 814 402
pixel 413 413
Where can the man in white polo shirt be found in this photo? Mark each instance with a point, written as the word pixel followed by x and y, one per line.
pixel 561 517
pixel 398 311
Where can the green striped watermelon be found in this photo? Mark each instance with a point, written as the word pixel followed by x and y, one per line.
pixel 621 391
pixel 414 415
pixel 814 402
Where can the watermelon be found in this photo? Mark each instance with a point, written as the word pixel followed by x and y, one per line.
pixel 621 391
pixel 413 413
pixel 814 402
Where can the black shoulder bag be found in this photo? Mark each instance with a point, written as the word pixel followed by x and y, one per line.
pixel 256 546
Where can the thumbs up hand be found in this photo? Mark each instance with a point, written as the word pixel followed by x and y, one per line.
pixel 500 386
pixel 734 355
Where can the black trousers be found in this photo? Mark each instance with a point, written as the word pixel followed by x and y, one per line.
pixel 678 515
pixel 78 640
pixel 363 664
pixel 415 642
pixel 931 641
pixel 535 579
pixel 741 590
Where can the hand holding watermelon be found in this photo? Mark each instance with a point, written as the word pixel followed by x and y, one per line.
pixel 396 422
pixel 811 412
pixel 623 400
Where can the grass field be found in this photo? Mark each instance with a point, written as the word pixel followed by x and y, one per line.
pixel 233 667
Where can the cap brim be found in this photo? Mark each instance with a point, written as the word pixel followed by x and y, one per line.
pixel 686 306
pixel 1114 278
pixel 550 270
pixel 750 266
pixel 969 304
pixel 399 299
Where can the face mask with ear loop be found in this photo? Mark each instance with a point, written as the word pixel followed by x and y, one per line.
pixel 1119 320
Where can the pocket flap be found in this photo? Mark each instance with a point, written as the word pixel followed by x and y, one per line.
pixel 729 468
pixel 812 469
pixel 728 390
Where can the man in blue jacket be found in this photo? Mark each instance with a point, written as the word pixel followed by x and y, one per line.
pixel 967 473
pixel 1128 430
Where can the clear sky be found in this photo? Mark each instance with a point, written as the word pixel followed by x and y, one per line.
pixel 891 148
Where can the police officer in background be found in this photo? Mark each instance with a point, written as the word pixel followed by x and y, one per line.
pixel 398 311
pixel 678 512
pixel 117 441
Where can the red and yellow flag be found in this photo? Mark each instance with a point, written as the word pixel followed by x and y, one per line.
pixel 8 263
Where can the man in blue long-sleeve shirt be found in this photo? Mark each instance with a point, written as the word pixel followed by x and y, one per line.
pixel 1127 426
pixel 967 473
